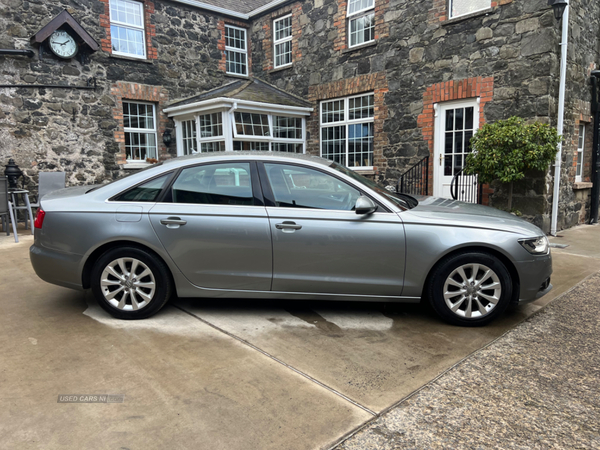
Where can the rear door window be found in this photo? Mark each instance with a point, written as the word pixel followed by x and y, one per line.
pixel 214 184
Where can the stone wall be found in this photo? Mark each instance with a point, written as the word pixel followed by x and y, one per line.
pixel 77 131
pixel 583 57
pixel 514 46
pixel 514 43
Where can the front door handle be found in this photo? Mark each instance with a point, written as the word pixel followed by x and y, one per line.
pixel 288 226
pixel 173 222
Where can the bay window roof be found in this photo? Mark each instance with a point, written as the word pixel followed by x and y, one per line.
pixel 249 94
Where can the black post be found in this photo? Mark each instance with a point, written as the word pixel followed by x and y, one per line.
pixel 596 150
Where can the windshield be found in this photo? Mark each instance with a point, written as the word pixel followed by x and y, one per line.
pixel 402 200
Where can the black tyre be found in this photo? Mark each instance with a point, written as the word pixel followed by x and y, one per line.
pixel 470 289
pixel 130 283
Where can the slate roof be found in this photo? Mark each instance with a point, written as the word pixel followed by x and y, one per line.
pixel 251 90
pixel 240 6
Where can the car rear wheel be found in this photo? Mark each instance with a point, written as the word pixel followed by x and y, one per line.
pixel 470 289
pixel 130 283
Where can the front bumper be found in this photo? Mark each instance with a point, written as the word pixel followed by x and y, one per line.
pixel 534 276
pixel 62 269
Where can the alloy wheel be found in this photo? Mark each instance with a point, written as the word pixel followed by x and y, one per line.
pixel 128 284
pixel 472 291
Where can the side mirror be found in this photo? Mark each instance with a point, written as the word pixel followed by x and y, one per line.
pixel 364 205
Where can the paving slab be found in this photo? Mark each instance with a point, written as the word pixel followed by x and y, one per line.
pixel 185 385
pixel 231 374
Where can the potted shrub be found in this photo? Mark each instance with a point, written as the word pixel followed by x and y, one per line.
pixel 506 149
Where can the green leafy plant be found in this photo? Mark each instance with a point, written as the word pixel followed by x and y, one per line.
pixel 505 149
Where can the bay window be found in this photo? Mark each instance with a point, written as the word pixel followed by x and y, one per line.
pixel 241 131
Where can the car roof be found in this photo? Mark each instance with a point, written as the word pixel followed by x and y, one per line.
pixel 233 155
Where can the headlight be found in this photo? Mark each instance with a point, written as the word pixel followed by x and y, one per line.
pixel 535 246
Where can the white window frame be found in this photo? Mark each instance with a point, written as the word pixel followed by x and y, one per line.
pixel 356 15
pixel 230 134
pixel 243 52
pixel 580 153
pixel 142 130
pixel 451 4
pixel 282 41
pixel 346 122
pixel 180 131
pixel 125 25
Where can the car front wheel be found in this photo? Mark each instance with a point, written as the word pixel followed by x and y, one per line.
pixel 130 283
pixel 470 289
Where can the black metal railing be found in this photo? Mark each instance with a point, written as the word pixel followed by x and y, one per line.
pixel 415 181
pixel 466 188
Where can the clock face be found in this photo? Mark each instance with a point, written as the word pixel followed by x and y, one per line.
pixel 62 44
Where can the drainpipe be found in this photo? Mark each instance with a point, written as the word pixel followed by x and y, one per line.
pixel 561 117
pixel 12 52
pixel 595 150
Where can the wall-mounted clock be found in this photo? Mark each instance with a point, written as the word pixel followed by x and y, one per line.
pixel 62 44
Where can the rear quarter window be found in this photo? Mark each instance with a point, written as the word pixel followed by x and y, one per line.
pixel 145 192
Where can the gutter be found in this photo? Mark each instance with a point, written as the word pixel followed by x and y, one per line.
pixel 228 12
pixel 561 117
pixel 240 103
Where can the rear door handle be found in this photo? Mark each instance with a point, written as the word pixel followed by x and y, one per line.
pixel 173 222
pixel 288 226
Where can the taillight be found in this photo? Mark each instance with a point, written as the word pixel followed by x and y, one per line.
pixel 39 219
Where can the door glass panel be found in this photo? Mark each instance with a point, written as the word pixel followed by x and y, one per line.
pixel 214 184
pixel 448 165
pixel 468 136
pixel 301 187
pixel 448 144
pixel 450 120
pixel 459 118
pixel 469 118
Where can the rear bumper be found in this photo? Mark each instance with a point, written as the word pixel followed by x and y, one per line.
pixel 534 277
pixel 54 267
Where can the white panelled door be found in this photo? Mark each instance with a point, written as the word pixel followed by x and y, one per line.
pixel 455 124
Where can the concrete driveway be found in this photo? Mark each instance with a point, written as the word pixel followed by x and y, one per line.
pixel 222 374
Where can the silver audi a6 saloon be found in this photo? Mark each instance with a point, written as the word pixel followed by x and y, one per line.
pixel 281 226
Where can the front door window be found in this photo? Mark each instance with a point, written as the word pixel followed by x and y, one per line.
pixel 301 187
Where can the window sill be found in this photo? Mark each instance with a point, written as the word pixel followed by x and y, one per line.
pixel 127 58
pixel 233 75
pixel 363 170
pixel 458 19
pixel 279 69
pixel 360 47
pixel 582 185
pixel 135 165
